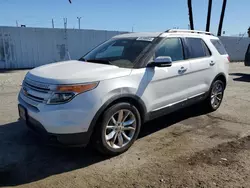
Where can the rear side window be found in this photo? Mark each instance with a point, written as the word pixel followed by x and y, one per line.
pixel 198 48
pixel 219 46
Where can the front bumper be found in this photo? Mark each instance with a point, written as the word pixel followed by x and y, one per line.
pixel 69 118
pixel 68 140
pixel 66 124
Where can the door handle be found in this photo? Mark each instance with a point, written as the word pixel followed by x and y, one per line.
pixel 212 63
pixel 182 70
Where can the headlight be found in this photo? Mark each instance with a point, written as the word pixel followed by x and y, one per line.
pixel 65 93
pixel 57 98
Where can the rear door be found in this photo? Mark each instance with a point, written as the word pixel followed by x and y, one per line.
pixel 202 66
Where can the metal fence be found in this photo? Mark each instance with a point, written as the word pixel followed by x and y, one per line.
pixel 32 47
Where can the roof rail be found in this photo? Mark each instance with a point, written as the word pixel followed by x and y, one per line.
pixel 188 31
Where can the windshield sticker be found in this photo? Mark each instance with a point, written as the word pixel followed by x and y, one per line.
pixel 150 39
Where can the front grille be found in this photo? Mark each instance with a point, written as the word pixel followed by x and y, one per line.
pixel 35 91
pixel 44 90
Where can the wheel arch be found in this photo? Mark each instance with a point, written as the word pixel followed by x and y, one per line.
pixel 132 99
pixel 222 77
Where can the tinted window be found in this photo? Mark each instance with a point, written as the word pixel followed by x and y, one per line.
pixel 198 48
pixel 206 49
pixel 219 46
pixel 111 51
pixel 170 47
pixel 119 52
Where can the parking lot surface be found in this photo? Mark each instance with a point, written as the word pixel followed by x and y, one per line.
pixel 188 148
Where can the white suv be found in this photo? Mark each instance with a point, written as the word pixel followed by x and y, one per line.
pixel 105 96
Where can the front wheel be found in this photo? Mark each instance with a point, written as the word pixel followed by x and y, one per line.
pixel 215 96
pixel 118 129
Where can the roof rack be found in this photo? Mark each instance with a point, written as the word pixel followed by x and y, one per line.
pixel 188 31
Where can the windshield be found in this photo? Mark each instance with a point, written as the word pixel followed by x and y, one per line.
pixel 118 52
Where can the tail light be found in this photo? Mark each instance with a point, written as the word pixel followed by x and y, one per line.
pixel 228 58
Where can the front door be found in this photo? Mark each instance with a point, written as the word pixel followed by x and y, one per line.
pixel 168 85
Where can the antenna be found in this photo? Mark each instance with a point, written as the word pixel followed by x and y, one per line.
pixel 65 23
pixel 66 38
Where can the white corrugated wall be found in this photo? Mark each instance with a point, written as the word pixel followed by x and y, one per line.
pixel 32 47
pixel 236 47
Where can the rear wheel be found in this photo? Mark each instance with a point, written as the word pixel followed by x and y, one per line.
pixel 118 129
pixel 215 96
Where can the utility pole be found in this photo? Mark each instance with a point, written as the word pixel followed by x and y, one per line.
pixel 16 23
pixel 53 23
pixel 79 22
pixel 65 23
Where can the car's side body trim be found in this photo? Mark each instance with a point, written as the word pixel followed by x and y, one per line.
pixel 176 106
pixel 178 102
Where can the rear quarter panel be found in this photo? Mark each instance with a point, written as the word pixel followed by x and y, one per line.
pixel 222 63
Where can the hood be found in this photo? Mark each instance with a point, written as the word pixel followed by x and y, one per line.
pixel 73 72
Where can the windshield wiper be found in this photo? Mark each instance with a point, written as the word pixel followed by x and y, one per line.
pixel 102 61
pixel 81 59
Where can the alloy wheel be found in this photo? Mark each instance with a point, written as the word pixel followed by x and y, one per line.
pixel 216 95
pixel 120 129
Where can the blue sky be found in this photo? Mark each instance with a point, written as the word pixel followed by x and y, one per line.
pixel 122 15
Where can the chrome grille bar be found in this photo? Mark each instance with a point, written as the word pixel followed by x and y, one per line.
pixel 35 91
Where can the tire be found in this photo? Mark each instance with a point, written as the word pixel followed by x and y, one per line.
pixel 217 90
pixel 108 139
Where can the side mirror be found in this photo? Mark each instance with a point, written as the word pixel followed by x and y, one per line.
pixel 161 61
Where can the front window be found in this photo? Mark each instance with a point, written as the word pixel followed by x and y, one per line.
pixel 170 47
pixel 118 52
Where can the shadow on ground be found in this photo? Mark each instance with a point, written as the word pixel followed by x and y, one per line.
pixel 12 70
pixel 242 77
pixel 25 159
